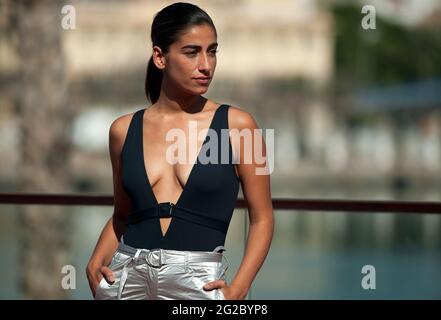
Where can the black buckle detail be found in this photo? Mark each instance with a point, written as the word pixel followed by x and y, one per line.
pixel 165 209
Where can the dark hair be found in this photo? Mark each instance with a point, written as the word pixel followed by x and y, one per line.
pixel 167 26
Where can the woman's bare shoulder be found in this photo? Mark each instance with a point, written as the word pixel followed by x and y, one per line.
pixel 121 124
pixel 239 118
pixel 119 128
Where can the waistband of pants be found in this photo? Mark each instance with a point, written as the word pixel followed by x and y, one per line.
pixel 159 257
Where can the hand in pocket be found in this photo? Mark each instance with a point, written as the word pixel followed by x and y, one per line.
pixel 96 275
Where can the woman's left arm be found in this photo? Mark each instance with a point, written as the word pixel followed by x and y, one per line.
pixel 249 147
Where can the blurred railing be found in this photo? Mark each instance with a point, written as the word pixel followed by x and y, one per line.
pixel 278 204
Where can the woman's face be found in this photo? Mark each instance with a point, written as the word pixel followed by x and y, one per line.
pixel 192 56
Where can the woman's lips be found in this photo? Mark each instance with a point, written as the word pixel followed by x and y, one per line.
pixel 202 80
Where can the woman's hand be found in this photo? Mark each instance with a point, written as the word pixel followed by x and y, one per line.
pixel 95 273
pixel 229 292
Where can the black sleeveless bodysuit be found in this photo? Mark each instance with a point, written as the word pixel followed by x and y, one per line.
pixel 201 215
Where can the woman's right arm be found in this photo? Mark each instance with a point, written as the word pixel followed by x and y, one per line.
pixel 115 226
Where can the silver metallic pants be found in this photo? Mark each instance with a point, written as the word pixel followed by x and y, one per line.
pixel 161 274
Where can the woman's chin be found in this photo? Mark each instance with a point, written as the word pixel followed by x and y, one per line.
pixel 201 90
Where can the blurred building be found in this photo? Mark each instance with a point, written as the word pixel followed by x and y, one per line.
pixel 275 60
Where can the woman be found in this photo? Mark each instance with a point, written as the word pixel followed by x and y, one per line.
pixel 165 238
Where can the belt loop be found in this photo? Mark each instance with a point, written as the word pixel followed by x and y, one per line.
pixel 219 249
pixel 124 273
pixel 227 265
pixel 122 239
pixel 147 257
pixel 228 262
pixel 186 262
pixel 160 258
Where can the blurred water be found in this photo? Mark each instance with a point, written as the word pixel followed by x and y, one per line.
pixel 307 273
pixel 9 254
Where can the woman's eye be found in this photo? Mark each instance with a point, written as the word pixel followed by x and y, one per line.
pixel 193 53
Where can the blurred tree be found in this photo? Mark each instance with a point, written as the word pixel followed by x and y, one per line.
pixel 389 54
pixel 34 29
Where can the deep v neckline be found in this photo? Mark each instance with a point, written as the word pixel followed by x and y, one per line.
pixel 146 177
